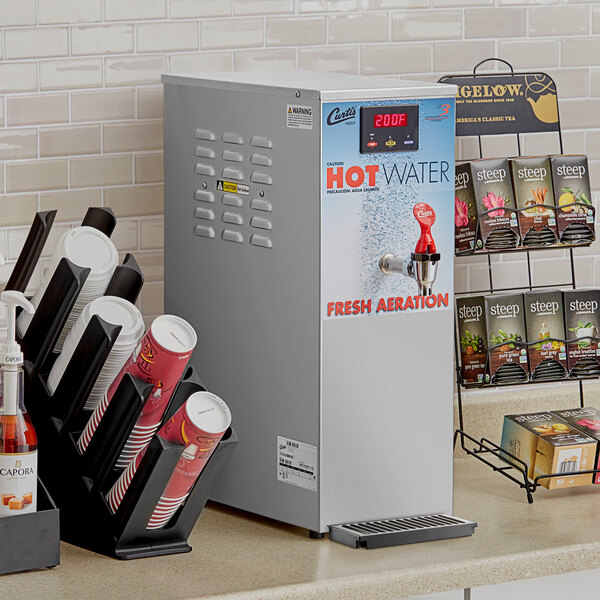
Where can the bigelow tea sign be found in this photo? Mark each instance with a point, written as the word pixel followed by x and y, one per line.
pixel 497 104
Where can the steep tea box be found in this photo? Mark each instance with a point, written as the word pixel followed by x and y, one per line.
pixel 532 184
pixel 470 314
pixel 465 210
pixel 505 338
pixel 494 196
pixel 582 324
pixel 587 420
pixel 575 217
pixel 545 333
pixel 548 445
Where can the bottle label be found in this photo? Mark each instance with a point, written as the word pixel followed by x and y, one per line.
pixel 18 483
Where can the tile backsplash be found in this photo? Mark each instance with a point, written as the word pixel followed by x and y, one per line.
pixel 81 101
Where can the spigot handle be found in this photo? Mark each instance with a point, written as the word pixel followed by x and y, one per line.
pixel 425 216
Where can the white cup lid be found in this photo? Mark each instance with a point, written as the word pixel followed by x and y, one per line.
pixel 208 412
pixel 173 334
pixel 117 311
pixel 89 247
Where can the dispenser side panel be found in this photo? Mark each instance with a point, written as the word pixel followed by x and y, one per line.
pixel 255 307
pixel 386 383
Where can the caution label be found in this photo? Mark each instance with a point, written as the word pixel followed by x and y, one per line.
pixel 299 117
pixel 232 188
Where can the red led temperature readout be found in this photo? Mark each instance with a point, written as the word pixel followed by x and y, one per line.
pixel 390 120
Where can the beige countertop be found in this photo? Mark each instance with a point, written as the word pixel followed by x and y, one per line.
pixel 243 557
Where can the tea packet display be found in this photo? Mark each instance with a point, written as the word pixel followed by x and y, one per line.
pixel 545 329
pixel 532 184
pixel 470 314
pixel 506 339
pixel 465 210
pixel 587 420
pixel 548 445
pixel 582 324
pixel 492 186
pixel 575 216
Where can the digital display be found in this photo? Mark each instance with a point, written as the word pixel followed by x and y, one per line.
pixel 390 120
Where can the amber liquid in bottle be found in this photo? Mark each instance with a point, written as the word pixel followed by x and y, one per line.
pixel 17 434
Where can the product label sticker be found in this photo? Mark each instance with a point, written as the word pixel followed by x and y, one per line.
pixel 299 117
pixel 297 463
pixel 18 483
pixel 232 188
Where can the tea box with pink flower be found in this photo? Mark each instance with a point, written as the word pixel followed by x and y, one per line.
pixel 494 195
pixel 465 210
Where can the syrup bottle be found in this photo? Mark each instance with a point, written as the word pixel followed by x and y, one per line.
pixel 18 441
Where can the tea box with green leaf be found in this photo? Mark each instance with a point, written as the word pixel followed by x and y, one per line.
pixel 470 314
pixel 506 331
pixel 582 324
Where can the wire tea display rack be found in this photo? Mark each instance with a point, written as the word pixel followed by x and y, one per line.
pixel 527 121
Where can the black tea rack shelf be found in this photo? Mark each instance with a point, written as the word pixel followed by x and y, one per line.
pixel 522 115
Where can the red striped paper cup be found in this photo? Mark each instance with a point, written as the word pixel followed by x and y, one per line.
pixel 160 358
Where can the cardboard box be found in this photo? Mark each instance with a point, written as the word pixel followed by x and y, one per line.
pixel 586 420
pixel 582 323
pixel 506 332
pixel 549 445
pixel 570 178
pixel 465 210
pixel 494 195
pixel 532 185
pixel 545 328
pixel 470 314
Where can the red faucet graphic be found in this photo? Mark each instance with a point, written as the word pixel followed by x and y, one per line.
pixel 425 216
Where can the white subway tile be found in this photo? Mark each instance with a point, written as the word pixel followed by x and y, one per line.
pixel 69 140
pixel 135 200
pixel 70 73
pixel 359 27
pixel 17 12
pixel 125 237
pixel 522 54
pixel 494 22
pixel 102 39
pixel 150 103
pixel 225 33
pixel 296 31
pixel 18 143
pixel 152 298
pixel 126 10
pixel 571 83
pixel 558 20
pixel 387 4
pixel 149 168
pixel 152 233
pixel 592 148
pixel 199 62
pixel 395 59
pixel 595 82
pixel 268 58
pixel 18 209
pixel 327 5
pixel 426 25
pixel 101 170
pixel 582 51
pixel 134 70
pixel 167 36
pixel 466 3
pixel 139 135
pixel 459 57
pixel 33 110
pixel 262 7
pixel 36 42
pixel 36 175
pixel 152 265
pixel 14 240
pixel 103 106
pixel 343 59
pixel 70 204
pixel 69 11
pixel 18 77
pixel 580 113
pixel 183 9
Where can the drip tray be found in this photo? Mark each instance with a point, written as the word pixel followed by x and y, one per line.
pixel 395 532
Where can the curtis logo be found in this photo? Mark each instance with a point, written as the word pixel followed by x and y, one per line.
pixel 336 116
pixel 489 91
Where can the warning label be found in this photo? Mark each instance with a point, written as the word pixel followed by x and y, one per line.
pixel 299 117
pixel 297 463
pixel 232 188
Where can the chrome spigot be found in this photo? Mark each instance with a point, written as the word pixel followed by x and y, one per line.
pixel 423 263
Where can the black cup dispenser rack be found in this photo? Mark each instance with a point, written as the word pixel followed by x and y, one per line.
pixel 79 486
